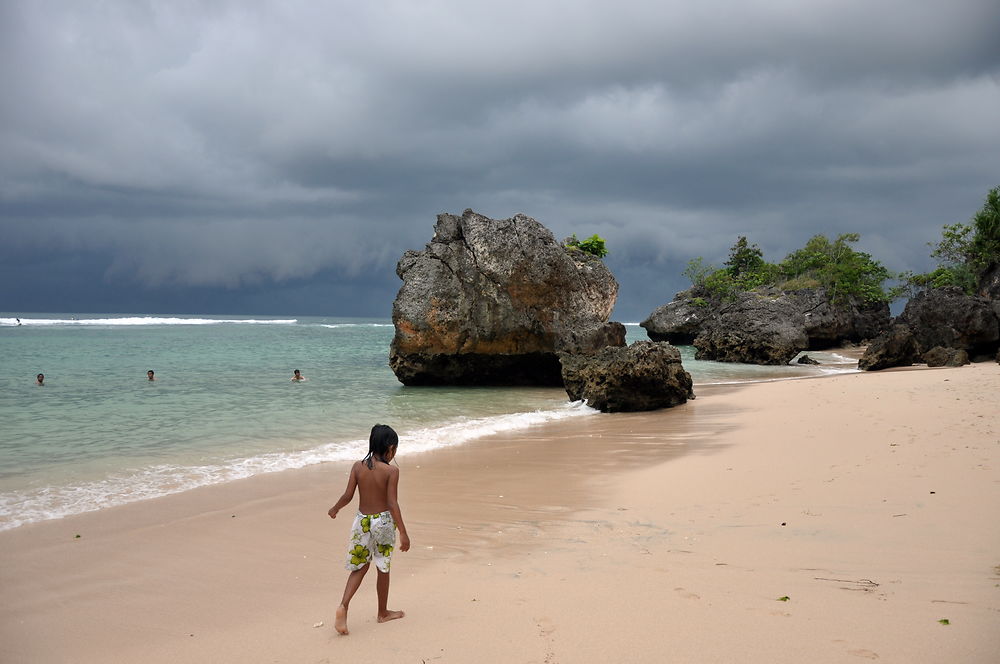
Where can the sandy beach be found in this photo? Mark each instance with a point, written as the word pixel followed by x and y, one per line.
pixel 820 520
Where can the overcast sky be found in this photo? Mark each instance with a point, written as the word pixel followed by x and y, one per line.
pixel 279 157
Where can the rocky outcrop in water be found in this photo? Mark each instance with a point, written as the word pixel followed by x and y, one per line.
pixel 679 321
pixel 765 326
pixel 755 328
pixel 644 376
pixel 492 302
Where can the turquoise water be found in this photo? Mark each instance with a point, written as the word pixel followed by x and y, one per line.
pixel 223 405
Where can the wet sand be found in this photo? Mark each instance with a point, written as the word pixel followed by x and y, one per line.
pixel 870 501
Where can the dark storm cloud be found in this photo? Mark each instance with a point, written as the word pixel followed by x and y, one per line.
pixel 254 150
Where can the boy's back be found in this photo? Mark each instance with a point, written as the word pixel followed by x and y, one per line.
pixel 373 485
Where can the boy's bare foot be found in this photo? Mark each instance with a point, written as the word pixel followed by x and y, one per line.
pixel 340 624
pixel 390 615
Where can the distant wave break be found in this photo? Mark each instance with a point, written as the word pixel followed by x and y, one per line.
pixel 144 320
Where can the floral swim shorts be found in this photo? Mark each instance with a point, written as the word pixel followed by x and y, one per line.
pixel 373 537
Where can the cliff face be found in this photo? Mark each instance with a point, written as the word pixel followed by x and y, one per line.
pixel 492 302
pixel 939 318
pixel 765 326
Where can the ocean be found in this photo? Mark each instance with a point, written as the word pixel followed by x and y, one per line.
pixel 223 406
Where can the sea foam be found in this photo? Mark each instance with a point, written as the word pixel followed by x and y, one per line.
pixel 18 508
pixel 337 325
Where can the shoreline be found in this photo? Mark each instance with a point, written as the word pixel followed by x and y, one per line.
pixel 167 479
pixel 673 524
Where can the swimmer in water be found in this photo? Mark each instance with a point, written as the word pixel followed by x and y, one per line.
pixel 40 379
pixel 149 375
pixel 297 376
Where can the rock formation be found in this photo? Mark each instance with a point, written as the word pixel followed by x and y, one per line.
pixel 945 357
pixel 893 348
pixel 492 302
pixel 679 321
pixel 765 326
pixel 756 328
pixel 938 317
pixel 644 376
pixel 948 317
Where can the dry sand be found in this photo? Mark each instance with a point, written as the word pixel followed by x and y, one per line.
pixel 870 501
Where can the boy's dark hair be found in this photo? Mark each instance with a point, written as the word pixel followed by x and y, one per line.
pixel 382 438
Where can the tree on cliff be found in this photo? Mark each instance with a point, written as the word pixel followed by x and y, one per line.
pixel 835 266
pixel 966 251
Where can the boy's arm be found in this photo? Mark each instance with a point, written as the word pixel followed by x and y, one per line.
pixel 397 516
pixel 352 484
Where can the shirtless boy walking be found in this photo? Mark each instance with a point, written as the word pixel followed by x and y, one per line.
pixel 373 534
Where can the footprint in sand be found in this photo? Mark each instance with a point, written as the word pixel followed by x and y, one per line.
pixel 545 629
pixel 686 594
pixel 545 626
pixel 861 652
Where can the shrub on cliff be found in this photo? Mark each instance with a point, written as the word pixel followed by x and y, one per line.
pixel 835 266
pixel 966 251
pixel 593 245
pixel 844 272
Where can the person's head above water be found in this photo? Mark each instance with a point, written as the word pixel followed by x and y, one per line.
pixel 382 444
pixel 40 378
pixel 149 375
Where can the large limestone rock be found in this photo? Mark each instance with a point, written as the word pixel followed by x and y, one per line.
pixel 644 376
pixel 948 317
pixel 756 328
pixel 943 318
pixel 679 321
pixel 766 326
pixel 492 302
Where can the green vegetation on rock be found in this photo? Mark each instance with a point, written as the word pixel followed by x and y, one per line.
pixel 592 245
pixel 966 251
pixel 835 266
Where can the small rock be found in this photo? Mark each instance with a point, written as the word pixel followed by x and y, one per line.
pixel 319 624
pixel 940 356
pixel 644 376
